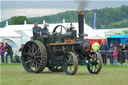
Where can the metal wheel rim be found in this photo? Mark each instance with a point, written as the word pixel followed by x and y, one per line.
pixel 70 64
pixel 96 66
pixel 32 57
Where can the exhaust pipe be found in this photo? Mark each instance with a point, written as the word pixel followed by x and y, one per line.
pixel 81 24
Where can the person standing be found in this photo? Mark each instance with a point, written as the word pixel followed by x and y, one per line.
pixel 115 55
pixel 21 48
pixel 2 49
pixel 96 46
pixel 121 58
pixel 111 53
pixel 36 31
pixel 9 51
pixel 126 48
pixel 45 30
pixel 103 51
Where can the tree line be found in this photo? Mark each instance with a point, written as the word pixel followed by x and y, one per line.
pixel 106 18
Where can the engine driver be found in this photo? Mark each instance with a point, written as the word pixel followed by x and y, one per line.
pixel 36 31
pixel 45 30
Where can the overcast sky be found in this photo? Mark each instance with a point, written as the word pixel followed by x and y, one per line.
pixel 33 8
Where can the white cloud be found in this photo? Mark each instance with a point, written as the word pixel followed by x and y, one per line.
pixel 29 12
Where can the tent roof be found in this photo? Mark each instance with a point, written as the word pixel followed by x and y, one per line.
pixel 8 33
pixel 118 36
pixel 96 37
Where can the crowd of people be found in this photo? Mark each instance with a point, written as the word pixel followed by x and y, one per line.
pixel 6 48
pixel 117 53
pixel 6 51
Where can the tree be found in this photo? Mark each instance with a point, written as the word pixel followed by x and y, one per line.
pixel 19 20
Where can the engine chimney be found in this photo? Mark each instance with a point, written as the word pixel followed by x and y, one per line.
pixel 81 24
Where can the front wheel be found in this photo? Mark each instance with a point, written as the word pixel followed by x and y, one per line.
pixel 70 63
pixel 95 63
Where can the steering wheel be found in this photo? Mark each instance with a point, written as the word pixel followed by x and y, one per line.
pixel 61 26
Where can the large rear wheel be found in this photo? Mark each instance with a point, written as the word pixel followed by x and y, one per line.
pixel 34 56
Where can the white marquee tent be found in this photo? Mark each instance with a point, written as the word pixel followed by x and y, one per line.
pixel 20 34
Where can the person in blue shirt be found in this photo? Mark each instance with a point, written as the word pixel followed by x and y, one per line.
pixel 103 51
pixel 9 51
pixel 45 30
pixel 36 31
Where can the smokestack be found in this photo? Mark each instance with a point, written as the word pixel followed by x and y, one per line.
pixel 82 4
pixel 81 24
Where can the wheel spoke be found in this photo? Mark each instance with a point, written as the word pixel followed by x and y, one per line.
pixel 31 65
pixel 38 56
pixel 30 48
pixel 29 54
pixel 36 66
pixel 36 51
pixel 29 61
pixel 95 68
pixel 37 62
pixel 92 67
pixel 70 68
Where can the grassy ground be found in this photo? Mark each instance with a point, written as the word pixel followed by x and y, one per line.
pixel 14 74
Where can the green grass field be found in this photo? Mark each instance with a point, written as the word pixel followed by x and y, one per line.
pixel 14 74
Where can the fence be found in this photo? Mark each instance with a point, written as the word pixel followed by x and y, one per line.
pixel 122 56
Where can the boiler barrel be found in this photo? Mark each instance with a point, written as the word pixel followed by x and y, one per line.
pixel 82 47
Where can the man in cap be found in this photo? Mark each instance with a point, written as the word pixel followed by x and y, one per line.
pixel 36 31
pixel 45 30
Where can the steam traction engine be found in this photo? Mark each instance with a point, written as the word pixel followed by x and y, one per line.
pixel 61 52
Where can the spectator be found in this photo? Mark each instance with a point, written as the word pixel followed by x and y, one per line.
pixel 103 50
pixel 115 55
pixel 116 45
pixel 121 58
pixel 96 46
pixel 126 48
pixel 111 53
pixel 2 49
pixel 36 31
pixel 21 48
pixel 9 50
pixel 45 30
